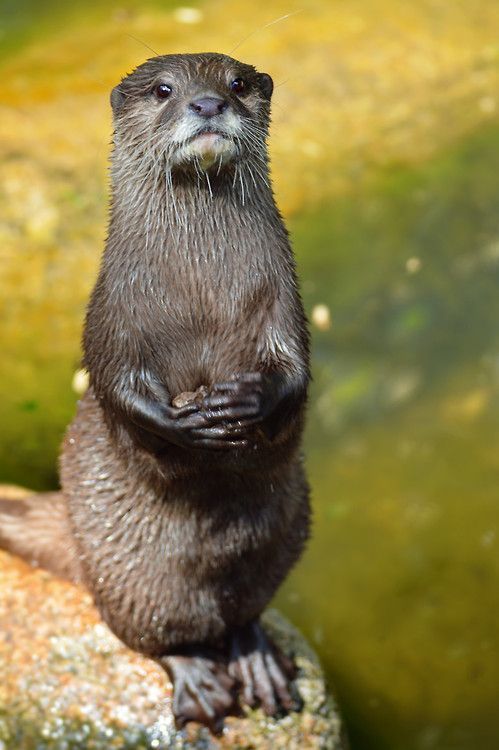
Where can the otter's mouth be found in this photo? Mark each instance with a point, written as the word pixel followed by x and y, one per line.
pixel 207 147
pixel 207 133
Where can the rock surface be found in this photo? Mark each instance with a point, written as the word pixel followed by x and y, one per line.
pixel 67 683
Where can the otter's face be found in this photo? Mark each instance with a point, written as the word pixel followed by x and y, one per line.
pixel 204 111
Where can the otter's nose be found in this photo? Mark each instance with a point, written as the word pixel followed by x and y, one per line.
pixel 209 106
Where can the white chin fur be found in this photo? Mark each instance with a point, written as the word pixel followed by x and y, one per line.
pixel 207 149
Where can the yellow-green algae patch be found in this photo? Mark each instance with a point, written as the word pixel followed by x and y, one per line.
pixel 358 85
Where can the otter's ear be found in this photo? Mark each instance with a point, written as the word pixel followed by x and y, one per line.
pixel 117 99
pixel 266 84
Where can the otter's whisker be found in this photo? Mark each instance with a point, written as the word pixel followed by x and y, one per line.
pixel 266 26
pixel 241 182
pixel 251 175
pixel 209 184
pixel 171 193
pixel 143 43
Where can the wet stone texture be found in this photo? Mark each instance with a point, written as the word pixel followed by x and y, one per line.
pixel 68 684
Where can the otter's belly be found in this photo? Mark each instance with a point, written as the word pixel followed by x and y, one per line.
pixel 207 362
pixel 190 587
pixel 180 559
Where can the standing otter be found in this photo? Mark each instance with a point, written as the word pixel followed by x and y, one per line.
pixel 183 512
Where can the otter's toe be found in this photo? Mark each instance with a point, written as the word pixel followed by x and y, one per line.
pixel 203 691
pixel 262 671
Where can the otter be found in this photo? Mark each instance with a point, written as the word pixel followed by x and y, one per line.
pixel 184 499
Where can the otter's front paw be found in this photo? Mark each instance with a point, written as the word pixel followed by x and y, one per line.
pixel 262 671
pixel 238 401
pixel 210 424
pixel 203 691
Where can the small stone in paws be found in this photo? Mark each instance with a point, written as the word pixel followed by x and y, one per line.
pixel 187 397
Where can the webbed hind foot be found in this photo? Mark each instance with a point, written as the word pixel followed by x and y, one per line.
pixel 262 670
pixel 203 691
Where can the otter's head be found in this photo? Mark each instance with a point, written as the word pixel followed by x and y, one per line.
pixel 197 111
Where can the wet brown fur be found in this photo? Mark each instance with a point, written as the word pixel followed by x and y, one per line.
pixel 197 284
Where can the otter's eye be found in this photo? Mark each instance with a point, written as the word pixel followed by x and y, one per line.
pixel 238 86
pixel 162 90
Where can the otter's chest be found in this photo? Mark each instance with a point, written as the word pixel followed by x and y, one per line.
pixel 210 324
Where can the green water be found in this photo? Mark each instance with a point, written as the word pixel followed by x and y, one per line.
pixel 399 589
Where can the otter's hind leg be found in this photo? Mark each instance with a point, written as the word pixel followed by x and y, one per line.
pixel 36 528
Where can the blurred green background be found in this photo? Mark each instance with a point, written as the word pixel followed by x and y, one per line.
pixel 385 154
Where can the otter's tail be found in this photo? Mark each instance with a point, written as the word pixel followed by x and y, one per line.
pixel 36 528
